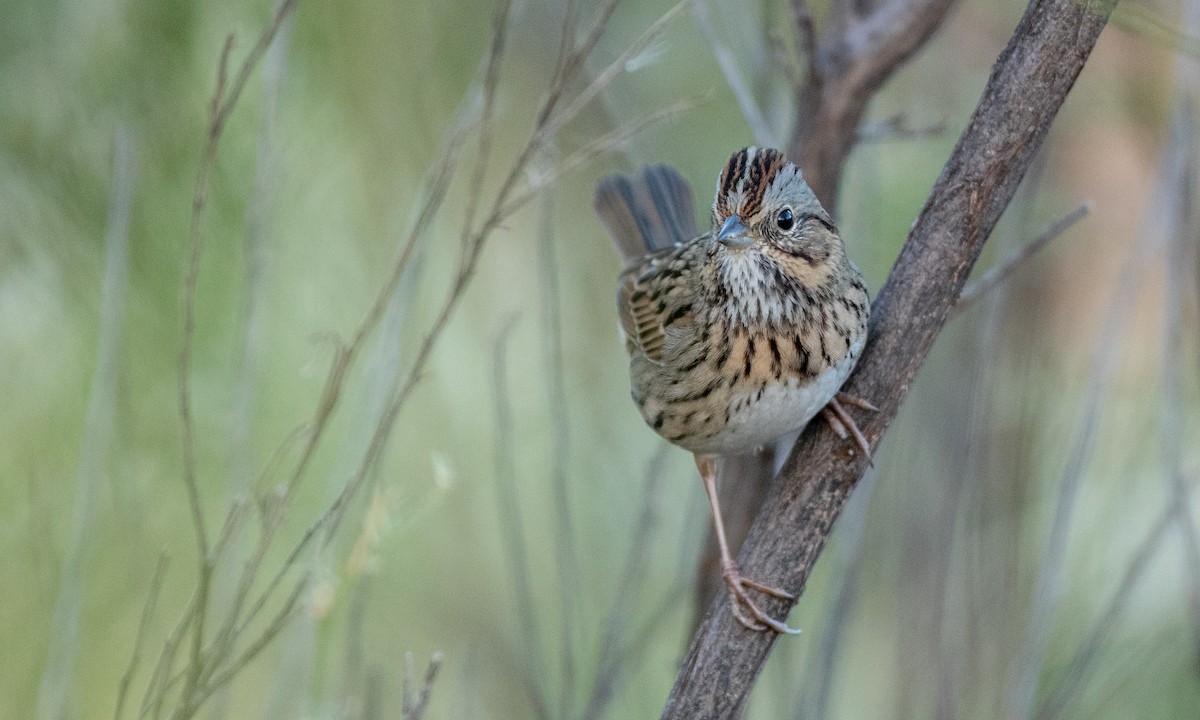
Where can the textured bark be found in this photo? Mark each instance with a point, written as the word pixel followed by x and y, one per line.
pixel 1026 88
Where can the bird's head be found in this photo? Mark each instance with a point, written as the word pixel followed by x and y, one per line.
pixel 770 234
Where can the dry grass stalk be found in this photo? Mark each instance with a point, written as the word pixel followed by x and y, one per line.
pixel 215 658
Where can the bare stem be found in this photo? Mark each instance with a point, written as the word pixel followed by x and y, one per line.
pixel 998 274
pixel 416 702
pixel 160 573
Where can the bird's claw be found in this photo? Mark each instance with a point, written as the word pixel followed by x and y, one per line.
pixel 758 620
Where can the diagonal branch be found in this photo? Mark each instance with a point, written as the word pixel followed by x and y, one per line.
pixel 1027 86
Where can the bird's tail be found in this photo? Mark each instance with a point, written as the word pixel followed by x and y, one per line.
pixel 647 212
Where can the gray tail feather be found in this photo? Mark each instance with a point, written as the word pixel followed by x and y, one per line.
pixel 646 212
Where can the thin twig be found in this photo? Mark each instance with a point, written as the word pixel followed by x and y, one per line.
pixel 156 582
pixel 156 690
pixel 253 319
pixel 437 195
pixel 509 510
pixel 252 60
pixel 556 400
pixel 566 36
pixel 415 703
pixel 195 250
pixel 1000 272
pixel 219 680
pixel 491 80
pixel 763 134
pixel 221 105
pixel 595 148
pixel 572 62
pixel 896 127
pixel 252 323
pixel 276 581
pixel 604 78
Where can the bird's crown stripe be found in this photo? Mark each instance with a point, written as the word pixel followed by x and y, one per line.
pixel 757 167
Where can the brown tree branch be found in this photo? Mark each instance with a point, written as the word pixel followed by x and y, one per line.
pixel 853 62
pixel 1026 88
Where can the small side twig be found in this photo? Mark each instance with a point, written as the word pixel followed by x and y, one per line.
pixel 1000 272
pixel 897 127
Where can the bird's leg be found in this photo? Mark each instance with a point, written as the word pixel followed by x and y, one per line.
pixel 737 584
pixel 840 420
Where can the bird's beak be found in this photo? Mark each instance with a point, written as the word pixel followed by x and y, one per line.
pixel 733 233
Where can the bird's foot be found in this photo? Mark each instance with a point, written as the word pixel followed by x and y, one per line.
pixel 842 424
pixel 740 602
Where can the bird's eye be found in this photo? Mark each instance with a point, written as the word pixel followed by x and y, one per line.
pixel 785 220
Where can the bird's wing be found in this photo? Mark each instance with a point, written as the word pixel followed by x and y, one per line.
pixel 655 300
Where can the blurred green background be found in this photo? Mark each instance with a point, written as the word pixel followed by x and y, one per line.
pixel 949 588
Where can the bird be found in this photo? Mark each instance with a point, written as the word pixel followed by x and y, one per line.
pixel 740 335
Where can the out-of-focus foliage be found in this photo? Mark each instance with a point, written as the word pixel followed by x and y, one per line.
pixel 944 547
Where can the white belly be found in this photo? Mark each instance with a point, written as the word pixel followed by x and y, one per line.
pixel 780 409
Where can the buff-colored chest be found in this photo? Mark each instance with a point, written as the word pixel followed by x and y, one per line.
pixel 730 390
